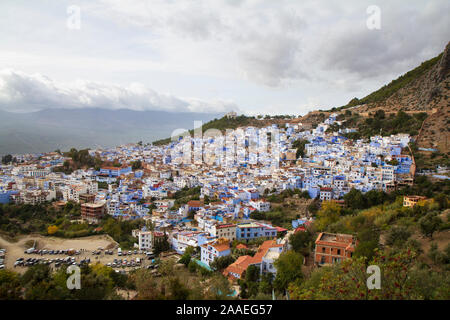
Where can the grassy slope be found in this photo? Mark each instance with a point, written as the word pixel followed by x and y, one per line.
pixel 387 90
pixel 224 123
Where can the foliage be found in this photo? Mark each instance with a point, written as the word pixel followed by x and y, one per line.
pixel 300 146
pixel 220 263
pixel 289 270
pixel 430 224
pixel 135 165
pixel 387 90
pixel 328 214
pixel 6 159
pixel 161 245
pixel 348 280
pixel 97 282
pixel 80 159
pixel 355 199
pixel 10 288
pixel 121 230
pixel 397 236
pixel 52 229
pixel 302 241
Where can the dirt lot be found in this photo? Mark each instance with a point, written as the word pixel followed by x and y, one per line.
pixel 87 245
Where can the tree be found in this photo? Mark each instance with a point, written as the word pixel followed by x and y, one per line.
pixel 348 280
pixel 429 224
pixel 368 242
pixel 218 288
pixel 328 214
pixel 192 266
pixel 442 200
pixel 146 285
pixel 397 236
pixel 7 159
pixel 257 215
pixel 300 146
pixel 355 199
pixel 186 257
pixel 301 241
pixel 289 269
pixel 178 291
pixel 251 281
pixel 135 165
pixel 220 263
pixel 266 283
pixel 161 245
pixel 52 229
pixel 10 288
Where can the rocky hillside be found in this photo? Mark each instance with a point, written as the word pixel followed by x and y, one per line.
pixel 424 89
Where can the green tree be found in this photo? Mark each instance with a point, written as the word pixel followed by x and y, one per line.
pixel 348 279
pixel 161 245
pixel 301 241
pixel 10 287
pixel 328 214
pixel 355 199
pixel 186 257
pixel 397 236
pixel 289 270
pixel 429 224
pixel 7 159
pixel 136 165
pixel 220 263
pixel 300 146
pixel 178 291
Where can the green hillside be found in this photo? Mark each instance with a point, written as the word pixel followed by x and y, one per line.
pixel 387 90
pixel 233 123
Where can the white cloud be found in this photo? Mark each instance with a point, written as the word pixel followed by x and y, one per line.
pixel 263 54
pixel 274 43
pixel 22 92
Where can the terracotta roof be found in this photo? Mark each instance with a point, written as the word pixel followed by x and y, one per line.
pixel 220 226
pixel 195 203
pixel 346 241
pixel 221 247
pixel 242 263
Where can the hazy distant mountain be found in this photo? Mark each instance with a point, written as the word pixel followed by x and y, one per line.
pixel 51 129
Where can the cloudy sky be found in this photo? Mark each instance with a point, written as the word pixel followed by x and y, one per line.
pixel 255 57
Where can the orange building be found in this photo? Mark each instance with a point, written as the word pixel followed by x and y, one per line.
pixel 236 269
pixel 92 212
pixel 411 201
pixel 332 248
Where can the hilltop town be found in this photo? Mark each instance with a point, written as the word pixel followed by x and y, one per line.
pixel 206 198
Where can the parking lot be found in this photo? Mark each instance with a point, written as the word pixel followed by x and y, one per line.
pixel 124 261
pixel 57 252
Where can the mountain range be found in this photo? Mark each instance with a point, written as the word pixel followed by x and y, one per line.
pixel 423 89
pixel 51 129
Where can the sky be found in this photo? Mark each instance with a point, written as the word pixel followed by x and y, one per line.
pixel 253 57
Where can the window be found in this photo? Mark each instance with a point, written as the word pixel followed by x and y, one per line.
pixel 323 249
pixel 339 251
